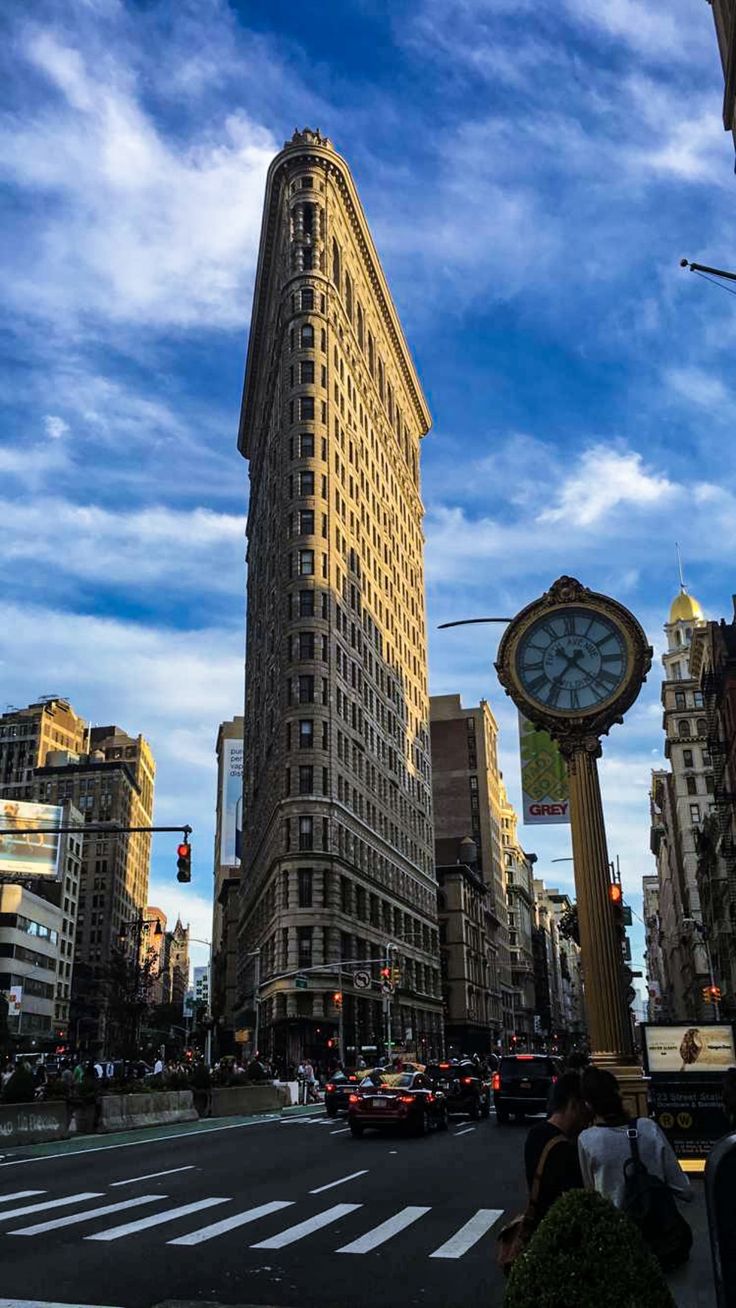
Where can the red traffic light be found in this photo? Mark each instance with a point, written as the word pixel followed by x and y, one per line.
pixel 183 851
pixel 184 862
pixel 615 893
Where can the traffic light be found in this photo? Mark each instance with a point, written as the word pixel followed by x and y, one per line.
pixel 712 994
pixel 395 976
pixel 337 999
pixel 616 894
pixel 385 973
pixel 184 861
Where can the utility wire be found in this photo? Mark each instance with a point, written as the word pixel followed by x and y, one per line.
pixel 705 278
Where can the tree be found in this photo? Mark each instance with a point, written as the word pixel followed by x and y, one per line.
pixel 568 926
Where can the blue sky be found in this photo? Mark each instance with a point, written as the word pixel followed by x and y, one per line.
pixel 532 177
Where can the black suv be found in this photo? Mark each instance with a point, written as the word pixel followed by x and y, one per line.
pixel 463 1085
pixel 522 1084
pixel 337 1090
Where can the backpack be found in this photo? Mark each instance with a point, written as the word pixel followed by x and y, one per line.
pixel 652 1207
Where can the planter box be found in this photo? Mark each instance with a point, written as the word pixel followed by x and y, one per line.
pixel 33 1123
pixel 157 1108
pixel 242 1100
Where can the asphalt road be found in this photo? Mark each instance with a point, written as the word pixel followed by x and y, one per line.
pixel 290 1214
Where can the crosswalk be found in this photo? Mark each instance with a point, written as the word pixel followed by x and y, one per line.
pixel 368 1236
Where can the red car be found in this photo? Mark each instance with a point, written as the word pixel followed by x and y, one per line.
pixel 405 1100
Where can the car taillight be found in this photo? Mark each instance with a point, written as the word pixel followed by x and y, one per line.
pixel 430 1099
pixel 406 1099
pixel 467 1080
pixel 496 1081
pixel 554 1080
pixel 353 1099
pixel 329 1087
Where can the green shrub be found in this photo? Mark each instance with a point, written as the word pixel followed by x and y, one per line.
pixel 585 1253
pixel 20 1088
pixel 200 1078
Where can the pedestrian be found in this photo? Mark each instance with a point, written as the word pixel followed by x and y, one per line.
pixel 551 1165
pixel 310 1081
pixel 361 1063
pixel 631 1162
pixel 78 1073
pixel 158 1066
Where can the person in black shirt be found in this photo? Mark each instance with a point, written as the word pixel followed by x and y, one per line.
pixel 568 1115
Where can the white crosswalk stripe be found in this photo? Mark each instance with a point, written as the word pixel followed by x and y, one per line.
pixel 303 1229
pixel 230 1223
pixel 469 1234
pixel 87 1215
pixel 386 1231
pixel 19 1194
pixel 50 1203
pixel 171 1214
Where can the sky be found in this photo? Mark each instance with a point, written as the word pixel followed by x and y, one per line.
pixel 532 177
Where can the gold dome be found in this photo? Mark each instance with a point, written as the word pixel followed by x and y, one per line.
pixel 685 609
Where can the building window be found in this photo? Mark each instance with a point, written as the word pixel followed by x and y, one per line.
pixel 306 690
pixel 698 698
pixel 304 937
pixel 306 832
pixel 683 727
pixel 306 603
pixel 306 779
pixel 306 336
pixel 306 407
pixel 285 888
pixel 305 887
pixel 702 727
pixel 706 758
pixel 694 813
pixel 709 783
pixel 692 785
pixel 306 483
pixel 306 644
pixel 361 328
pixel 306 522
pixel 306 563
pixel 307 298
pixel 680 699
pixel 349 296
pixel 306 733
pixel 687 757
pixel 306 372
pixel 306 445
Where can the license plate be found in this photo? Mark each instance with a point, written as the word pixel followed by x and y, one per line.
pixel 379 1103
pixel 526 1085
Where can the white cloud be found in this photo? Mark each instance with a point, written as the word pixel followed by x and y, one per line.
pixel 137 227
pixel 700 387
pixel 55 426
pixel 656 32
pixel 136 549
pixel 605 480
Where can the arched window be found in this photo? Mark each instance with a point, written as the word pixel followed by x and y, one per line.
pixel 683 727
pixel 307 336
pixel 336 264
pixel 371 355
pixel 702 727
pixel 361 329
pixel 678 637
pixel 348 296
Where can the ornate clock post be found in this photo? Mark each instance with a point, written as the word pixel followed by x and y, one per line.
pixel 574 661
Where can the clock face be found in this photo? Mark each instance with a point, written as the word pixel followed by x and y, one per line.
pixel 572 660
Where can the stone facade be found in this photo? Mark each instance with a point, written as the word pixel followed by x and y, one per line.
pixel 466 786
pixel 27 735
pixel 225 915
pixel 338 841
pixel 657 999
pixel 681 798
pixel 466 954
pixel 519 882
pixel 724 16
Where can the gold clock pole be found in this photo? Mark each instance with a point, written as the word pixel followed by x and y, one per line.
pixel 547 652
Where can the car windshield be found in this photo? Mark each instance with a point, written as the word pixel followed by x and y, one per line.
pixel 526 1066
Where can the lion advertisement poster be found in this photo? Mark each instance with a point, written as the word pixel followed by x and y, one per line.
pixel 544 783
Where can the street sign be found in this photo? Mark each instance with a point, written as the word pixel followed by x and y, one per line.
pixel 362 980
pixel 301 982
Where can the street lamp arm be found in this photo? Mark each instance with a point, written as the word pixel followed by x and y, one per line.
pixel 469 622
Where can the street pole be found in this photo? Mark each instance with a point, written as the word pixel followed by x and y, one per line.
pixel 257 989
pixel 389 1033
pixel 341 1019
pixel 208 1042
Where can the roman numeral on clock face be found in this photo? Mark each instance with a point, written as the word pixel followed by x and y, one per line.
pixel 612 658
pixel 537 684
pixel 554 694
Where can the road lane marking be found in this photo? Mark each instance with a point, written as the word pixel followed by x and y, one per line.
pixel 230 1223
pixel 469 1234
pixel 129 1228
pixel 465 1130
pixel 46 1303
pixel 51 1203
pixel 19 1194
pixel 342 1181
pixel 343 1131
pixel 150 1176
pixel 386 1230
pixel 131 1144
pixel 89 1213
pixel 302 1229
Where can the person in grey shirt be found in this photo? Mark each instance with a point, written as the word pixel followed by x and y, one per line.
pixel 603 1148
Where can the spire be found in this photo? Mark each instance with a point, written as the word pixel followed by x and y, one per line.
pixel 683 587
pixel 684 607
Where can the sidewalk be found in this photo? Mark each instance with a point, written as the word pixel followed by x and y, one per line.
pixel 692 1285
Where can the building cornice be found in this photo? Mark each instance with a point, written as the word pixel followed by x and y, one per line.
pixel 310 148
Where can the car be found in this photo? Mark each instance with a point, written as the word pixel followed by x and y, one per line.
pixel 403 1100
pixel 463 1086
pixel 522 1084
pixel 337 1091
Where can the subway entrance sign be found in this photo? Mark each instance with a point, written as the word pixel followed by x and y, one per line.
pixel 301 982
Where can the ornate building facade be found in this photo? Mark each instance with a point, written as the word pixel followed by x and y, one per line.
pixel 681 798
pixel 337 834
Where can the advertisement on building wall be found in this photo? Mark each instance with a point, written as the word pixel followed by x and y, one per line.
pixel 231 803
pixel 544 785
pixel 35 850
pixel 14 997
pixel 688 1050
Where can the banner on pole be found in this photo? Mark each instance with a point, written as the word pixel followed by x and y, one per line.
pixel 544 785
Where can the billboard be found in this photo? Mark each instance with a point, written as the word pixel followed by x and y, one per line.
pixel 231 803
pixel 544 786
pixel 36 853
pixel 690 1050
pixel 14 997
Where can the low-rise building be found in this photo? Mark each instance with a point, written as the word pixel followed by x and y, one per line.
pixel 465 953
